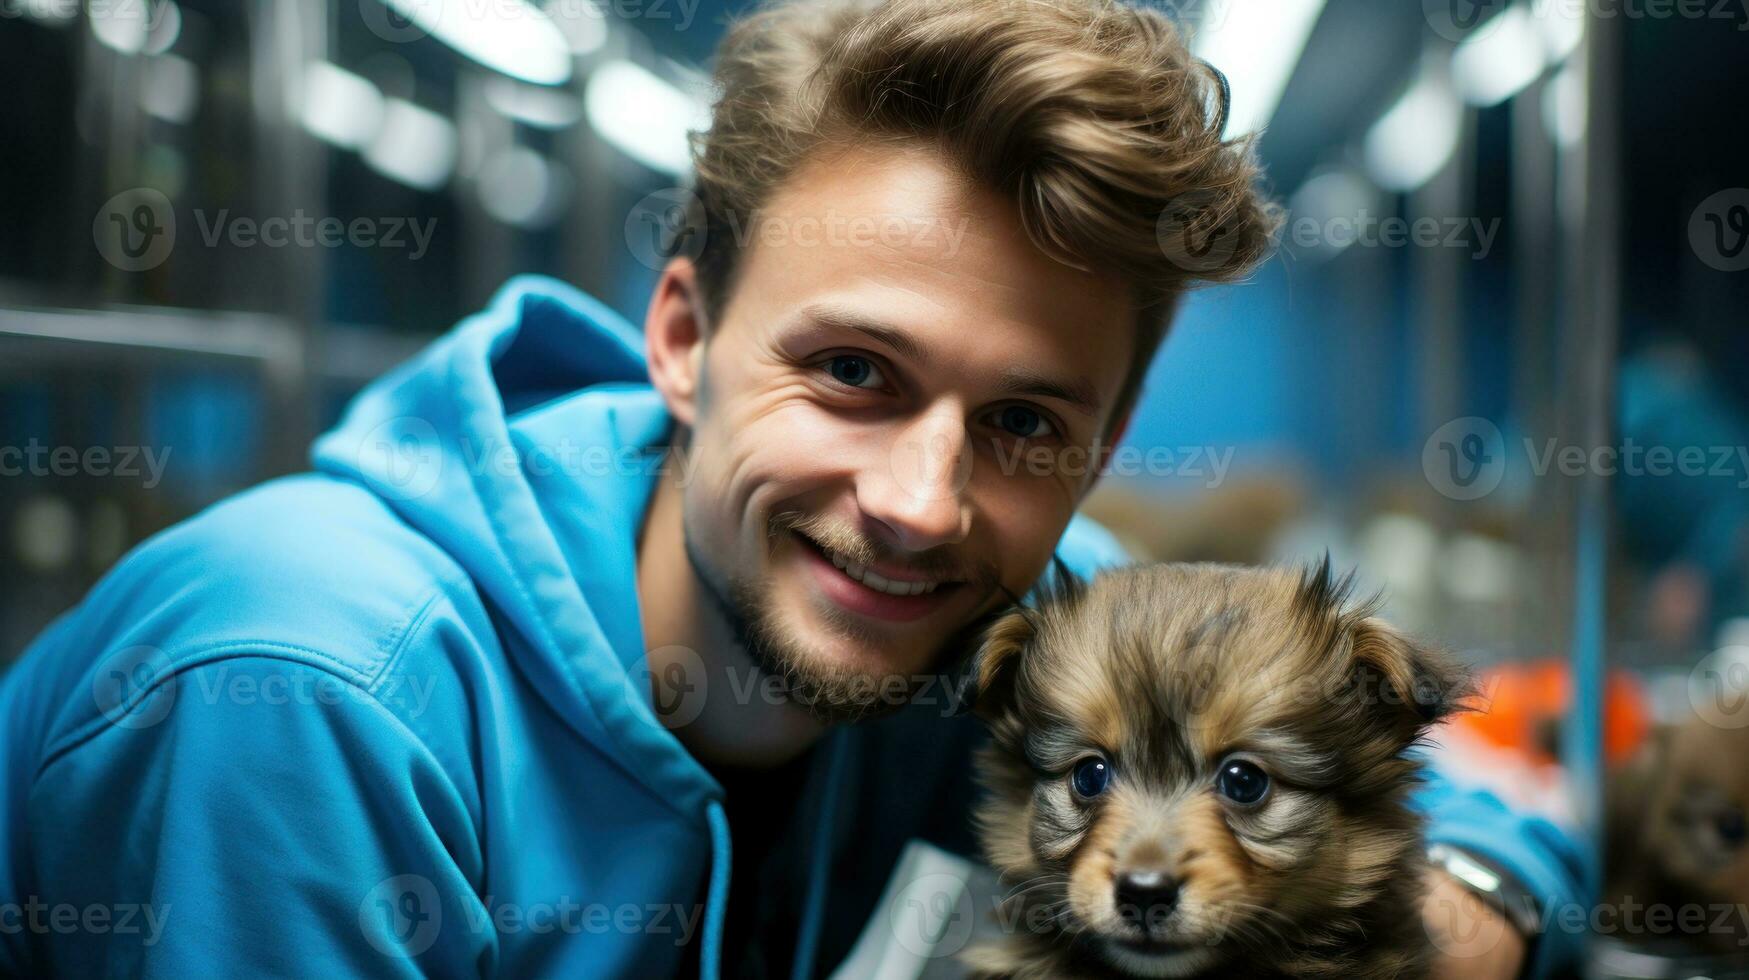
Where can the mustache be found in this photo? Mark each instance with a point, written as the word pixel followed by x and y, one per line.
pixel 836 537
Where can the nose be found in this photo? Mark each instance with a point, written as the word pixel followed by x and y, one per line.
pixel 1145 896
pixel 918 491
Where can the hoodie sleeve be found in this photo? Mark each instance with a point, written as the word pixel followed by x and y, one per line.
pixel 254 816
pixel 1544 860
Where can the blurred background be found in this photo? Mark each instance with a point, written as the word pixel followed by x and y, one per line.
pixel 1498 364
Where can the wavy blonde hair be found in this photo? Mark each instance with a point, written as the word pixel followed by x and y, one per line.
pixel 1092 115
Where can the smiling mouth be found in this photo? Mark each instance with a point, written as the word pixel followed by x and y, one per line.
pixel 863 591
pixel 871 579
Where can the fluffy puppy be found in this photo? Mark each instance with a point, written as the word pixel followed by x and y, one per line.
pixel 1678 832
pixel 1200 769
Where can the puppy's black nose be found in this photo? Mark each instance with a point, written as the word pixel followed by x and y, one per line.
pixel 1145 897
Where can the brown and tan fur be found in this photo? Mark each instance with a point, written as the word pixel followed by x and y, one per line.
pixel 1169 671
pixel 1674 820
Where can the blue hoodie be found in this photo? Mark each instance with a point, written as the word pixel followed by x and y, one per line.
pixel 392 717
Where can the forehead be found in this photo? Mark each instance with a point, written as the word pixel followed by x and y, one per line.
pixel 1216 658
pixel 893 233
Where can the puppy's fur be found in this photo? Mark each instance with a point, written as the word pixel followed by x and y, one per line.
pixel 1169 672
pixel 1675 821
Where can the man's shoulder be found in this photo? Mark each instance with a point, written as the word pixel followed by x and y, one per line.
pixel 308 561
pixel 309 575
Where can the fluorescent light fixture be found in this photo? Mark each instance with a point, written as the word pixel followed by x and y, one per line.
pixel 511 36
pixel 171 89
pixel 1256 44
pixel 1499 59
pixel 414 146
pixel 542 108
pixel 1333 203
pixel 1564 106
pixel 120 26
pixel 1562 25
pixel 520 187
pixel 164 28
pixel 644 116
pixel 583 23
pixel 338 106
pixel 1415 137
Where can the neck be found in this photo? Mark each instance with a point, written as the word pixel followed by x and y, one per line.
pixel 704 685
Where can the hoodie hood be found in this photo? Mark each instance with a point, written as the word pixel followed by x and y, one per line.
pixel 518 442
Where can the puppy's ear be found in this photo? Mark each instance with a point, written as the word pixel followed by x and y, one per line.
pixel 987 687
pixel 1409 685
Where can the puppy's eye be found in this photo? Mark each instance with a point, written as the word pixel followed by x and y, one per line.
pixel 1242 782
pixel 1729 824
pixel 1091 776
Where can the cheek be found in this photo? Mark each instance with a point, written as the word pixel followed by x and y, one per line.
pixel 1025 517
pixel 1094 866
pixel 752 458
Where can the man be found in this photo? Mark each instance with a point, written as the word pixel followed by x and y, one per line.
pixel 537 674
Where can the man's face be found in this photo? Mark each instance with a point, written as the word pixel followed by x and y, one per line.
pixel 901 381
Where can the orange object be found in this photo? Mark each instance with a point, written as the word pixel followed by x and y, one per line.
pixel 1523 706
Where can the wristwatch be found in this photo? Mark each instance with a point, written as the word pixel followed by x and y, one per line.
pixel 1494 885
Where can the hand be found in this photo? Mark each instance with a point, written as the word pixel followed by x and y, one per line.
pixel 1470 939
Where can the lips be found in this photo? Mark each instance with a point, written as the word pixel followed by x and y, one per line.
pixel 862 590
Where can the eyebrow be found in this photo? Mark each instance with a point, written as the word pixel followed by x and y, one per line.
pixel 1078 392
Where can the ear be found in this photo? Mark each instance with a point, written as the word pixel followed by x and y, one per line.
pixel 1410 685
pixel 674 339
pixel 987 688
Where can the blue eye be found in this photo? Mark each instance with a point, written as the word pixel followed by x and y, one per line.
pixel 1022 421
pixel 1242 782
pixel 1091 776
pixel 853 370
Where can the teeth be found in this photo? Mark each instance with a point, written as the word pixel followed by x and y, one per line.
pixel 880 584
